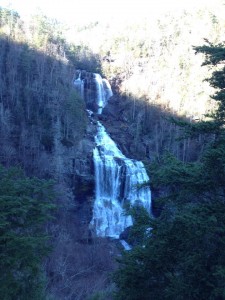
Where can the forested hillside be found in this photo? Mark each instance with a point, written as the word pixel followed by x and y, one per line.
pixel 37 98
pixel 180 254
pixel 42 121
pixel 164 111
pixel 152 64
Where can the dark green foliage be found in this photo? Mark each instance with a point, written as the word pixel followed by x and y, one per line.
pixel 214 54
pixel 182 255
pixel 137 234
pixel 73 119
pixel 25 206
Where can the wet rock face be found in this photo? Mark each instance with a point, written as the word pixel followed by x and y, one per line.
pixel 73 165
pixel 116 117
pixel 83 164
pixel 85 85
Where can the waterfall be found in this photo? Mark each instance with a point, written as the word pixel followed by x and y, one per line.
pixel 93 89
pixel 119 180
pixel 79 85
pixel 125 245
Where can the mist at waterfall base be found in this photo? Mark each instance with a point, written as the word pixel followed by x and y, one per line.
pixel 118 180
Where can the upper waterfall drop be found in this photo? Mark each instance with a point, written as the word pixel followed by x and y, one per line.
pixel 94 89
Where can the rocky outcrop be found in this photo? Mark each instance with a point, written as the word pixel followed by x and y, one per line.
pixel 116 119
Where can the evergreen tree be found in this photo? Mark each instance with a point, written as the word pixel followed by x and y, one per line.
pixel 25 206
pixel 182 253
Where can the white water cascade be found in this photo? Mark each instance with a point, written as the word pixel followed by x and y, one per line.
pixel 104 92
pixel 93 89
pixel 118 179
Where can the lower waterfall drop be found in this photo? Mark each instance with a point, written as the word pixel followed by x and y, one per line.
pixel 118 180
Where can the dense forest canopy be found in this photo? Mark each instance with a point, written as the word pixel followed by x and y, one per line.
pixel 25 206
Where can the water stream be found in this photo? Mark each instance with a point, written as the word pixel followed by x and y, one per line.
pixel 118 180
